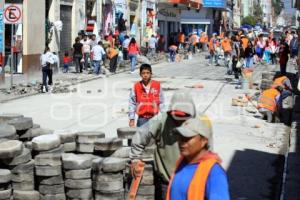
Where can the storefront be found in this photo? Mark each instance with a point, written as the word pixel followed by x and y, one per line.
pixel 107 18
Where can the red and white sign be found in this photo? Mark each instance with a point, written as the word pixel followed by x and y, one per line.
pixel 13 14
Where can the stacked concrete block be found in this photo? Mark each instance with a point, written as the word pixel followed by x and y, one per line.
pixel 267 80
pixel 85 141
pixel 47 144
pixel 77 169
pixel 105 147
pixel 5 117
pixel 68 140
pixel 5 184
pixel 126 134
pixel 108 178
pixel 21 124
pixel 48 170
pixel 35 132
pixel 7 132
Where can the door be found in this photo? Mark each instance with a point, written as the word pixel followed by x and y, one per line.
pixel 66 33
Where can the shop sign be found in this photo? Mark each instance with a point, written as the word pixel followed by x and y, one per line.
pixel 167 13
pixel 214 3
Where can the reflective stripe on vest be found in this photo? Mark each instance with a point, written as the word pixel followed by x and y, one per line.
pixel 147 104
pixel 196 190
pixel 279 82
pixel 268 99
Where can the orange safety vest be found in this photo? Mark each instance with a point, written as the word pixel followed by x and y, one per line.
pixel 226 45
pixel 112 53
pixel 279 82
pixel 245 42
pixel 181 38
pixel 193 39
pixel 196 190
pixel 267 99
pixel 147 103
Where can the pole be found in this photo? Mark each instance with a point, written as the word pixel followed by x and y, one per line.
pixel 11 56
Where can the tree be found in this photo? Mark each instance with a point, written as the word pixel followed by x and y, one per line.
pixel 249 20
pixel 257 13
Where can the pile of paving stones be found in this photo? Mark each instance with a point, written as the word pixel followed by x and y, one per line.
pixel 37 163
pixel 267 80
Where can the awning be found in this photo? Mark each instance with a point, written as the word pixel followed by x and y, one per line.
pixel 191 3
pixel 195 21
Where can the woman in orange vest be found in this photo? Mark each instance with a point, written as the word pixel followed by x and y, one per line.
pixel 112 54
pixel 267 103
pixel 198 174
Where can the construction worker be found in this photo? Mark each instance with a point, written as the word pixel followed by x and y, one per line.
pixel 160 129
pixel 193 42
pixel 112 54
pixel 268 102
pixel 203 41
pixel 198 173
pixel 181 40
pixel 212 49
pixel 283 81
pixel 146 98
pixel 226 46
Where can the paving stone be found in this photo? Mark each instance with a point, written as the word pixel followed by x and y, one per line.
pixel 146 190
pixel 54 180
pixel 5 186
pixel 5 194
pixel 7 131
pixel 78 174
pixel 35 132
pixel 22 177
pixel 24 157
pixel 21 123
pixel 45 142
pixel 108 144
pixel 126 132
pixel 122 152
pixel 36 125
pixel 28 145
pixel 85 148
pixel 52 189
pixel 57 150
pixel 23 168
pixel 5 117
pixel 53 197
pixel 24 186
pixel 48 170
pixel 49 159
pixel 107 177
pixel 5 176
pixel 113 164
pixel 117 195
pixel 73 162
pixel 66 136
pixel 89 137
pixel 97 164
pixel 69 147
pixel 113 185
pixel 10 148
pixel 79 193
pixel 26 195
pixel 78 184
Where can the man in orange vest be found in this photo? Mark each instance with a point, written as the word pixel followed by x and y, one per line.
pixel 203 41
pixel 193 42
pixel 226 46
pixel 268 102
pixel 146 98
pixel 212 49
pixel 283 81
pixel 112 54
pixel 198 174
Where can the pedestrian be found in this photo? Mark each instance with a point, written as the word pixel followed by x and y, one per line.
pixel 198 173
pixel 259 48
pixel 125 45
pixel 112 55
pixel 203 41
pixel 159 128
pixel 294 46
pixel 267 52
pixel 93 41
pixel 249 53
pixel 172 50
pixel 152 46
pixel 46 60
pixel 133 51
pixel 146 98
pixel 67 61
pixel 98 54
pixel 227 49
pixel 235 56
pixel 274 50
pixel 212 50
pixel 193 40
pixel 78 54
pixel 86 51
pixel 161 44
pixel 181 40
pixel 283 56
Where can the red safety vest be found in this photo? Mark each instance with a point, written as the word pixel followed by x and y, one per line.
pixel 147 104
pixel 196 190
pixel 268 99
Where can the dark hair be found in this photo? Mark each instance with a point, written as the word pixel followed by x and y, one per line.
pixel 126 36
pixel 46 49
pixel 132 41
pixel 100 43
pixel 105 37
pixel 293 32
pixel 66 53
pixel 145 67
pixel 233 38
pixel 77 39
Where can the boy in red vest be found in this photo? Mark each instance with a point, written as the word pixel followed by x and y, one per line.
pixel 146 98
pixel 198 173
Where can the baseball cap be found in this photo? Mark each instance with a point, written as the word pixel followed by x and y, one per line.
pixel 201 125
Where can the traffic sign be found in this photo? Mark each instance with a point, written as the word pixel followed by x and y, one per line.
pixel 13 14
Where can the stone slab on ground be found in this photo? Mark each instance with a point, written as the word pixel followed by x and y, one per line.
pixel 5 194
pixel 108 144
pixel 26 195
pixel 78 184
pixel 126 132
pixel 5 176
pixel 5 117
pixel 45 142
pixel 113 185
pixel 117 195
pixel 21 177
pixel 49 159
pixel 85 147
pixel 24 157
pixel 57 150
pixel 7 131
pixel 89 137
pixel 21 123
pixel 79 193
pixel 48 170
pixel 69 147
pixel 10 148
pixel 52 189
pixel 66 136
pixel 24 186
pixel 54 180
pixel 23 168
pixel 72 161
pixel 53 197
pixel 78 174
pixel 113 164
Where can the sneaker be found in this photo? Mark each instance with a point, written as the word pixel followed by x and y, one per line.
pixel 131 72
pixel 44 89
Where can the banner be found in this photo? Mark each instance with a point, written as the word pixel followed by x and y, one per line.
pixel 214 3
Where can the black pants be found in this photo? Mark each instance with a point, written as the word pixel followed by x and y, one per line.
pixel 283 68
pixel 50 73
pixel 273 59
pixel 235 70
pixel 46 73
pixel 78 64
pixel 161 188
pixel 113 64
pixel 125 54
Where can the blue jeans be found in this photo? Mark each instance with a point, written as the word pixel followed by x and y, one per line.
pixel 249 62
pixel 97 66
pixel 132 58
pixel 66 67
pixel 141 121
pixel 172 55
pixel 212 57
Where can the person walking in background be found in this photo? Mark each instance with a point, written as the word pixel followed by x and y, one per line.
pixel 181 40
pixel 172 50
pixel 284 51
pixel 146 99
pixel 198 174
pixel 67 61
pixel 112 54
pixel 97 56
pixel 152 45
pixel 235 56
pixel 133 51
pixel 161 44
pixel 226 46
pixel 274 50
pixel 203 41
pixel 249 53
pixel 267 52
pixel 78 55
pixel 294 46
pixel 212 50
pixel 125 45
pixel 46 60
pixel 86 51
pixel 259 48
